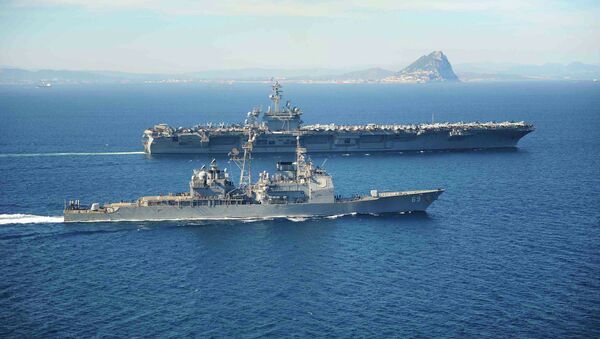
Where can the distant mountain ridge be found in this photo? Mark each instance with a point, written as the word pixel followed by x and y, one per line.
pixel 15 75
pixel 22 76
pixel 371 74
pixel 554 71
pixel 434 67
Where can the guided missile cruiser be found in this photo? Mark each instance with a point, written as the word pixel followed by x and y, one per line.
pixel 297 189
pixel 277 127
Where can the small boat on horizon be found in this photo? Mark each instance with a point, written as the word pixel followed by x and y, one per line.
pixel 44 84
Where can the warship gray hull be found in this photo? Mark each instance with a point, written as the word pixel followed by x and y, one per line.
pixel 343 139
pixel 382 203
pixel 277 132
pixel 297 189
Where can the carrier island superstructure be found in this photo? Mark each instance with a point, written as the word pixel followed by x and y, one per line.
pixel 277 127
pixel 297 189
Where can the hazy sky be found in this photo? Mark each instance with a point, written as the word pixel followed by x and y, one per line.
pixel 186 35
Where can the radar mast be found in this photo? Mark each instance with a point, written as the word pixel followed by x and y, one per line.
pixel 276 96
pixel 301 165
pixel 244 164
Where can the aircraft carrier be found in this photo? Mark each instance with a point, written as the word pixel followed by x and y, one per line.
pixel 278 127
pixel 296 190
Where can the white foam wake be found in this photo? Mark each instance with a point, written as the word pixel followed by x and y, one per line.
pixel 65 154
pixel 340 215
pixel 297 219
pixel 6 219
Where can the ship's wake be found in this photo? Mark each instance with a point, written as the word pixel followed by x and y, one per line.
pixel 340 215
pixel 301 219
pixel 65 154
pixel 7 219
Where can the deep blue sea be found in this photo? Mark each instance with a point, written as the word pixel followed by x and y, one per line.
pixel 511 249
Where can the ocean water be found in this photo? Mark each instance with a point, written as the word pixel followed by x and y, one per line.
pixel 512 248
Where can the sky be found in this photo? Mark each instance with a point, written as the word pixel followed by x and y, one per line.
pixel 173 36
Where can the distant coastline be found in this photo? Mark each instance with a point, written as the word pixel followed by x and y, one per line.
pixel 429 68
pixel 465 78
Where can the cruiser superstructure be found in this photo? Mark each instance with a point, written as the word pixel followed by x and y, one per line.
pixel 296 189
pixel 278 126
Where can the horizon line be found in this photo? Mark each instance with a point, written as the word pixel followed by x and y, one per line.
pixel 307 68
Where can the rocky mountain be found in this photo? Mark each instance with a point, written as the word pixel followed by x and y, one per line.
pixel 434 67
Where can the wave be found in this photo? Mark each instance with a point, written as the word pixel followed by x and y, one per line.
pixel 296 219
pixel 340 215
pixel 65 154
pixel 248 219
pixel 7 219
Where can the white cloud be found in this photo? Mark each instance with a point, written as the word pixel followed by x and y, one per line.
pixel 331 8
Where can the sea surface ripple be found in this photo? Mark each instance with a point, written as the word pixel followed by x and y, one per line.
pixel 512 248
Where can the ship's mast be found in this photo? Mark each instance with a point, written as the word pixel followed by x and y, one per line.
pixel 245 163
pixel 276 96
pixel 300 159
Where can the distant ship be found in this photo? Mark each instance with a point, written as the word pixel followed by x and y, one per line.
pixel 44 84
pixel 296 190
pixel 278 128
